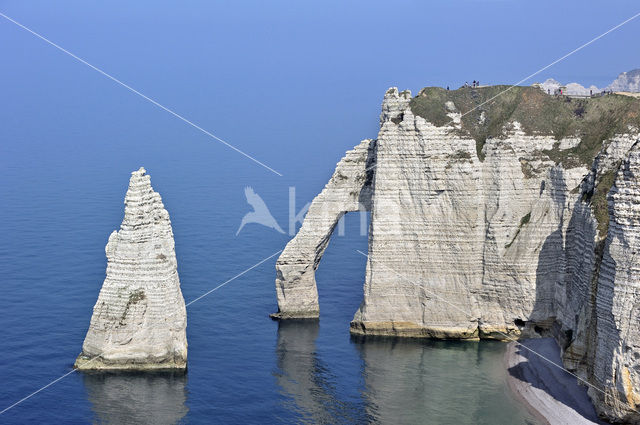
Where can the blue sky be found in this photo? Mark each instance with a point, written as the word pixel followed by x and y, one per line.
pixel 293 83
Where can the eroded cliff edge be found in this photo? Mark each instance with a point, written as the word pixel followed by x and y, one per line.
pixel 139 321
pixel 493 217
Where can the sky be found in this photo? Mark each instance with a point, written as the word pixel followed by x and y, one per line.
pixel 292 83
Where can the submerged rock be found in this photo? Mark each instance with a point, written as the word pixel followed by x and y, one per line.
pixel 139 321
pixel 489 218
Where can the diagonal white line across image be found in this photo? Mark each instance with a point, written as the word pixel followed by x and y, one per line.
pixel 509 338
pixel 544 68
pixel 131 89
pixel 6 409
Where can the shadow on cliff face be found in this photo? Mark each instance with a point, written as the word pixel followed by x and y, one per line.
pixel 575 295
pixel 609 351
pixel 585 327
pixel 307 381
pixel 141 398
pixel 366 193
pixel 549 276
pixel 556 382
pixel 550 271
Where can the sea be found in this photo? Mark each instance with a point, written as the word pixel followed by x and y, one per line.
pixel 243 367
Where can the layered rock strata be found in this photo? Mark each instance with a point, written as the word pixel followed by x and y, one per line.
pixel 139 321
pixel 615 345
pixel 490 219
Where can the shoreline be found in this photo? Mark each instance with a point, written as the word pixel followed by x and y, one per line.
pixel 552 395
pixel 86 363
pixel 516 388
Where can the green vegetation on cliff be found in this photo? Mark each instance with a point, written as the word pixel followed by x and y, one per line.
pixel 523 222
pixel 593 120
pixel 135 297
pixel 598 199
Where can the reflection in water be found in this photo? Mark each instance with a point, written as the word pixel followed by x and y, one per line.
pixel 406 381
pixel 137 398
pixel 423 381
pixel 306 379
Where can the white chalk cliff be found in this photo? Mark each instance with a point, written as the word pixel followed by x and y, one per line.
pixel 627 81
pixel 139 321
pixel 616 334
pixel 494 221
pixel 573 89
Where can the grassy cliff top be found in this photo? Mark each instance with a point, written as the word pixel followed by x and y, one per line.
pixel 592 119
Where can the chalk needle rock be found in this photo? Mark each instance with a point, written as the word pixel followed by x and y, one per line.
pixel 139 321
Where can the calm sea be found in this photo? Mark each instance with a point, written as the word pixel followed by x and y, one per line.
pixel 243 367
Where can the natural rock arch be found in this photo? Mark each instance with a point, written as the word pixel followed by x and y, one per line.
pixel 349 189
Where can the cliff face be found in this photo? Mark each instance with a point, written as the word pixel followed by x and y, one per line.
pixel 616 345
pixel 627 81
pixel 139 320
pixel 462 241
pixel 489 219
pixel 573 89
